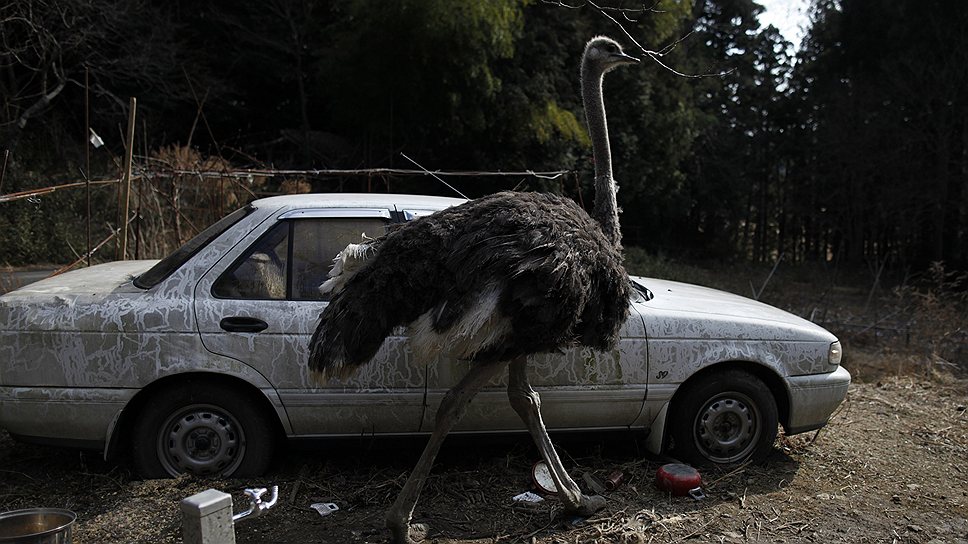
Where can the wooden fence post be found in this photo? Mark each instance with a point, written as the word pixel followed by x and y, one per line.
pixel 126 182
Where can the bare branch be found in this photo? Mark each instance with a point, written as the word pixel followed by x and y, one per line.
pixel 623 11
pixel 654 55
pixel 667 49
pixel 40 104
pixel 561 4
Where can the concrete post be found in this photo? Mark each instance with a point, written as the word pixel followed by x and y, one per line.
pixel 207 518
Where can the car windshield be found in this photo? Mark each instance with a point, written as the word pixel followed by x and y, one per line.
pixel 169 264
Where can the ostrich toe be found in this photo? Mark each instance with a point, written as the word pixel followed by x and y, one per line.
pixel 413 533
pixel 588 505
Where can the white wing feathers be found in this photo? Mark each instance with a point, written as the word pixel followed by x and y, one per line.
pixel 346 264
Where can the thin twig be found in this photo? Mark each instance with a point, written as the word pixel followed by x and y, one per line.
pixel 741 468
pixel 696 532
pixel 67 267
pixel 3 169
pixel 435 176
pixel 757 294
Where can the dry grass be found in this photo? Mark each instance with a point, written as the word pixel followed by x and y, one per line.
pixel 173 208
pixel 890 326
pixel 888 468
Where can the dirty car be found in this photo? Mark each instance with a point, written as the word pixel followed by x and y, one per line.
pixel 196 363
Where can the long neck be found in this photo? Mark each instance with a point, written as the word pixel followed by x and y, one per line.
pixel 606 206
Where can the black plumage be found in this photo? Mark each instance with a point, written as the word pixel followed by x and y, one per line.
pixel 559 282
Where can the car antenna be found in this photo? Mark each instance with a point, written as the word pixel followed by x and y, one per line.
pixel 438 178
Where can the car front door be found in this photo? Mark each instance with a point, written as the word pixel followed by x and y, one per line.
pixel 580 388
pixel 261 303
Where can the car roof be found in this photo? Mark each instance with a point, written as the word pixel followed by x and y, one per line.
pixel 356 200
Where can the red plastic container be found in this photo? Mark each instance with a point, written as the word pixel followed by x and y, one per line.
pixel 680 480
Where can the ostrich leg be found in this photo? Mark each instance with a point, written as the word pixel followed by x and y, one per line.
pixel 451 409
pixel 527 404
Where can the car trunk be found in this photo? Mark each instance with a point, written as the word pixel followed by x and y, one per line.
pixel 59 303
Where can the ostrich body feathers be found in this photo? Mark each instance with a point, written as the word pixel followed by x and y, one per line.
pixel 492 279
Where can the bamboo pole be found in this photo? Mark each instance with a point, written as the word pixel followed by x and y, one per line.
pixel 126 181
pixel 10 197
pixel 87 156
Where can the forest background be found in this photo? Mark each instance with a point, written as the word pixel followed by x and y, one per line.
pixel 850 148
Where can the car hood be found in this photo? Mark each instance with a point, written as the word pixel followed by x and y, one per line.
pixel 691 311
pixel 81 300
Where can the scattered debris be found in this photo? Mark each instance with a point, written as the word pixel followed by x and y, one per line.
pixel 841 489
pixel 680 480
pixel 594 484
pixel 614 480
pixel 257 506
pixel 573 522
pixel 541 477
pixel 324 508
pixel 527 496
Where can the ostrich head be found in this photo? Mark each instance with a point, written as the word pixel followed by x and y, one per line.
pixel 602 54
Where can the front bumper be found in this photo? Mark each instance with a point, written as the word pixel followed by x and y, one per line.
pixel 814 397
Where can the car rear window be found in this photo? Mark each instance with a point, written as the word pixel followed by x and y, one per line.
pixel 165 267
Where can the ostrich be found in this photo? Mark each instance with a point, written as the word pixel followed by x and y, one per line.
pixel 490 281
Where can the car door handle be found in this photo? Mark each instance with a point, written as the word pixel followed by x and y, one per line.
pixel 243 324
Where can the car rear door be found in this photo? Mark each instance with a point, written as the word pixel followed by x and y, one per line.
pixel 260 304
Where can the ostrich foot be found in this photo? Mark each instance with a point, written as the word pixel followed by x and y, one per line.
pixel 587 505
pixel 409 534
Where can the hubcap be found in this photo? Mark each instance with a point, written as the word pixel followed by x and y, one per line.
pixel 201 439
pixel 727 428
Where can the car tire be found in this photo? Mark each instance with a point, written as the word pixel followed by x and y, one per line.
pixel 201 428
pixel 725 418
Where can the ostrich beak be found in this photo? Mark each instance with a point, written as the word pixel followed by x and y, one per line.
pixel 624 58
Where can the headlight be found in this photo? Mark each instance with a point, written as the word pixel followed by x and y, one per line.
pixel 835 354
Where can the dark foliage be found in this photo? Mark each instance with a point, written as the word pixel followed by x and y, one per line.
pixel 856 152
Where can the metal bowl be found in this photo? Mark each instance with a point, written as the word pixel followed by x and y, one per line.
pixel 37 526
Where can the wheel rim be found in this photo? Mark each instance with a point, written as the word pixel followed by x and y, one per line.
pixel 201 439
pixel 727 428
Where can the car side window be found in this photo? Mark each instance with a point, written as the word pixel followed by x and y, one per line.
pixel 316 242
pixel 261 272
pixel 293 259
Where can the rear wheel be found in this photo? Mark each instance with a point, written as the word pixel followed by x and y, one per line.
pixel 204 429
pixel 725 418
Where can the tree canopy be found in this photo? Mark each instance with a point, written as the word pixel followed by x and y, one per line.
pixel 855 148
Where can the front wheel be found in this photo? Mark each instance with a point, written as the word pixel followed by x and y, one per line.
pixel 725 418
pixel 201 428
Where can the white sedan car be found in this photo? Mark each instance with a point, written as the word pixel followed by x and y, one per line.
pixel 197 363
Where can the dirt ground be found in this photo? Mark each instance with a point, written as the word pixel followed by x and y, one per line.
pixel 892 466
